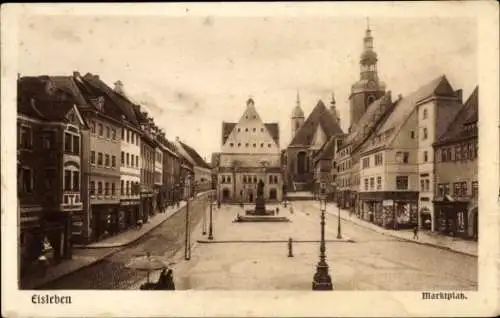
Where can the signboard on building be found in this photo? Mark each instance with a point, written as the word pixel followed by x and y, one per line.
pixel 388 202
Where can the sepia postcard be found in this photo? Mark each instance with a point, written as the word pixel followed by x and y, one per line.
pixel 281 159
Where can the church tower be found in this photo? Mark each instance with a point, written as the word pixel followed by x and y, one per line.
pixel 369 88
pixel 297 117
pixel 334 111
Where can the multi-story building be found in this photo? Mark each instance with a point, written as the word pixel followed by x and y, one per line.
pixel 456 184
pixel 148 153
pixel 202 171
pixel 49 128
pixel 101 152
pixel 395 159
pixel 171 169
pixel 250 151
pixel 158 174
pixel 307 138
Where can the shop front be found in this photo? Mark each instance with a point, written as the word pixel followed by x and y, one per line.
pixel 473 223
pixel 451 217
pixel 105 220
pixel 425 219
pixel 390 209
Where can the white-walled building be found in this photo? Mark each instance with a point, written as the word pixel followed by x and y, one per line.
pixel 249 152
pixel 130 169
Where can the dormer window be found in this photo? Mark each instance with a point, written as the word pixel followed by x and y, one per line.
pixel 239 144
pixel 246 129
pixel 254 145
pixel 231 144
pixel 425 114
pixel 261 145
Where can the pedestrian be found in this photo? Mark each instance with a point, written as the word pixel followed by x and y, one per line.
pixel 277 210
pixel 291 210
pixel 415 232
pixel 169 280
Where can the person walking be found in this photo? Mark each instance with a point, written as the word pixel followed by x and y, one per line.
pixel 415 232
pixel 277 210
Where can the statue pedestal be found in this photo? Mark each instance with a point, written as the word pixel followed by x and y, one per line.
pixel 260 208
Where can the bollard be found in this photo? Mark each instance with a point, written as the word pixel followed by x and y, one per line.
pixel 290 247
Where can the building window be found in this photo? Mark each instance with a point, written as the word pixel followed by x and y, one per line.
pixel 76 145
pixel 92 127
pixel 123 158
pixel 458 153
pixel 76 181
pixel 27 180
pixel 268 145
pixel 424 135
pixel 101 130
pixel 67 143
pixel 470 149
pixel 460 189
pixel 246 129
pixel 275 179
pixel 402 157
pixel 239 129
pixel 48 140
pixel 427 185
pixel 113 161
pixel 132 136
pixel 123 133
pixel 254 145
pixel 475 189
pixel 422 185
pixel 366 162
pixel 99 159
pixel 106 160
pixel 25 137
pixel 106 188
pixel 246 145
pixel 262 130
pixel 113 188
pixel 231 144
pixel 372 183
pixel 366 184
pixel 262 145
pixel 92 157
pixel 378 159
pixel 113 133
pixel 402 182
pixel 108 132
pixel 128 136
pixel 128 159
pixel 67 180
pixel 412 134
pixel 425 114
pixel 271 179
pixel 228 179
pixel 137 161
pixel 426 158
pixel 128 188
pixel 49 178
pixel 92 188
pixel 379 183
pixel 122 188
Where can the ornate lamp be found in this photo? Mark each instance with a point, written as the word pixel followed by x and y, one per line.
pixel 322 279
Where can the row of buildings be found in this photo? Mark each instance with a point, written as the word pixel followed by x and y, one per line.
pixel 92 163
pixel 405 161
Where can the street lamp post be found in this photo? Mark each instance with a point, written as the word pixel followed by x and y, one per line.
pixel 187 250
pixel 322 279
pixel 339 230
pixel 204 222
pixel 210 226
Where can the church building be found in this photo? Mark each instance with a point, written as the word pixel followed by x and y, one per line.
pixel 308 137
pixel 250 152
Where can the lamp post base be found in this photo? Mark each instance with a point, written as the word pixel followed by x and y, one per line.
pixel 322 280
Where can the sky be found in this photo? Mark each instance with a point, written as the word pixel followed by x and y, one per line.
pixel 192 73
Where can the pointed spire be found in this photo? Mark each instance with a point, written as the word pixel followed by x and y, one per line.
pixel 298 98
pixel 333 100
pixel 297 110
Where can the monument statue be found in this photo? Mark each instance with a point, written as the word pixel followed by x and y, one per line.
pixel 260 189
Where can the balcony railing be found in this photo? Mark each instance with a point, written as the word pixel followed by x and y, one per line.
pixel 71 200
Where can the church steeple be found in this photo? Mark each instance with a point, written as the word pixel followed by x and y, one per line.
pixel 297 117
pixel 333 110
pixel 368 59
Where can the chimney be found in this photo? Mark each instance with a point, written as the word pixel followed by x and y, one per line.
pixel 18 75
pixel 177 138
pixel 76 74
pixel 119 87
pixel 458 94
pixel 400 97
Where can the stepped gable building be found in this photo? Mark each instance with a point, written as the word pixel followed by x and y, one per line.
pixel 396 157
pixel 456 184
pixel 249 152
pixel 307 138
pixel 49 168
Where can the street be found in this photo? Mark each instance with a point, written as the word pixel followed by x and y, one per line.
pixel 373 262
pixel 111 273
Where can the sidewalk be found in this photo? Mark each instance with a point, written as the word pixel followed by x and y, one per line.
pixel 86 255
pixel 426 238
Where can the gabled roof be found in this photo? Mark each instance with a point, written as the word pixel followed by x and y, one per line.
pixel 273 129
pixel 122 106
pixel 327 151
pixel 197 159
pixel 374 116
pixel 320 115
pixel 467 114
pixel 39 98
